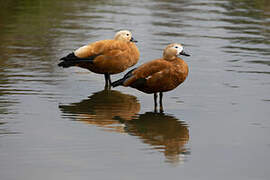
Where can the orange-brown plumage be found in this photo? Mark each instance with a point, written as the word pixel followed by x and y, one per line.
pixel 106 56
pixel 113 56
pixel 159 75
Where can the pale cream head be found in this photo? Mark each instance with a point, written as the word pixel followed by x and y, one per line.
pixel 123 35
pixel 173 50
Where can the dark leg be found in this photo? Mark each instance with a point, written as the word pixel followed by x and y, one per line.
pixel 155 101
pixel 160 102
pixel 107 81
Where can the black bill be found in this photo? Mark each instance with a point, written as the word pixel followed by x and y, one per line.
pixel 133 40
pixel 184 53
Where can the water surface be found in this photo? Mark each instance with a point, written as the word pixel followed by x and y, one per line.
pixel 61 124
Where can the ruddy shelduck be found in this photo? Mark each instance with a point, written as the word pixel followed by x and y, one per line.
pixel 106 56
pixel 159 75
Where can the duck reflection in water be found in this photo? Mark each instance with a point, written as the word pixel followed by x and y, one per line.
pixel 117 112
pixel 163 132
pixel 103 108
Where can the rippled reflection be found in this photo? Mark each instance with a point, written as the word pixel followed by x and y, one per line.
pixel 118 112
pixel 164 132
pixel 103 108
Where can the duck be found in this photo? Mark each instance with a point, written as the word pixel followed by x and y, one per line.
pixel 158 75
pixel 110 56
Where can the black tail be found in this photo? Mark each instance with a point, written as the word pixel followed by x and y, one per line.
pixel 121 81
pixel 72 60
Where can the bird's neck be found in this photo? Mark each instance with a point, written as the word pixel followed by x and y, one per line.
pixel 169 57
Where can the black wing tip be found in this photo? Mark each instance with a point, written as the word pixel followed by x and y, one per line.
pixel 68 60
pixel 129 73
pixel 63 64
pixel 117 83
pixel 120 82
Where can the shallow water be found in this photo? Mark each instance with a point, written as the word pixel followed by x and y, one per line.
pixel 61 124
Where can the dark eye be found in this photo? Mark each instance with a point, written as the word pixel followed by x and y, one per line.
pixel 127 34
pixel 176 47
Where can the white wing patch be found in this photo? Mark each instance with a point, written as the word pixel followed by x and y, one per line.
pixel 148 77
